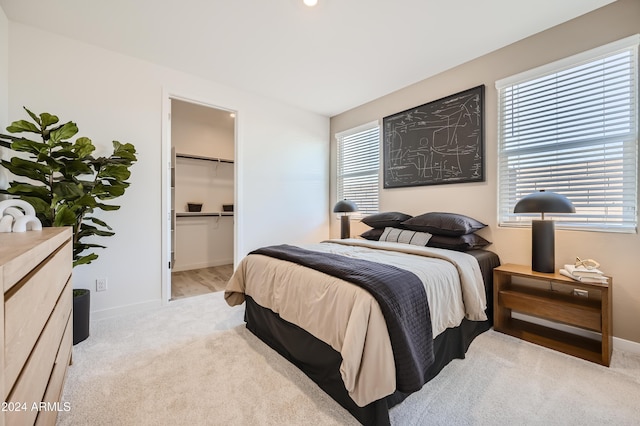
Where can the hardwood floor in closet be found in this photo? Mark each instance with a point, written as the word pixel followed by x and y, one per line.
pixel 199 281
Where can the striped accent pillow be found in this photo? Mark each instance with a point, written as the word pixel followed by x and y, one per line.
pixel 405 236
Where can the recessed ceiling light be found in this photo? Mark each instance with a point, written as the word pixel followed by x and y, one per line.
pixel 310 2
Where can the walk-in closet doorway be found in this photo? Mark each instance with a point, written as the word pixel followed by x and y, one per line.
pixel 200 197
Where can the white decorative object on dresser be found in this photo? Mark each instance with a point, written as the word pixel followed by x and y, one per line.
pixel 36 332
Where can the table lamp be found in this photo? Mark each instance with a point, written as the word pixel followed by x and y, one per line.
pixel 542 231
pixel 345 207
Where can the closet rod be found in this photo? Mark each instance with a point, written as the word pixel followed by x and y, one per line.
pixel 199 157
pixel 197 214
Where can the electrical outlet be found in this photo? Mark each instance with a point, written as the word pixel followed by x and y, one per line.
pixel 581 293
pixel 101 284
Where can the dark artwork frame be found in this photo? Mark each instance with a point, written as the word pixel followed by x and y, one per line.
pixel 436 143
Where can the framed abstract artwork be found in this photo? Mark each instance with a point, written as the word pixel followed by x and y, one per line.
pixel 436 143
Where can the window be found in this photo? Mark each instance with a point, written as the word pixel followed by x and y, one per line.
pixel 359 167
pixel 571 127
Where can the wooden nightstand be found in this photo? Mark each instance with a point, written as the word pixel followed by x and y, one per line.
pixel 551 297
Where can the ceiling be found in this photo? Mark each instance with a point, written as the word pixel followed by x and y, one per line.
pixel 326 59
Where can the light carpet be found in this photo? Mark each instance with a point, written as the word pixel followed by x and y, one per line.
pixel 193 362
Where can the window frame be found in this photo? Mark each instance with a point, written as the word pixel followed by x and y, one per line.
pixel 505 186
pixel 371 171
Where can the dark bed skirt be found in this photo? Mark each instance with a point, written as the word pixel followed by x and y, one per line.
pixel 321 362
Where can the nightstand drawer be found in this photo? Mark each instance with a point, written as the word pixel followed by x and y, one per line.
pixel 569 312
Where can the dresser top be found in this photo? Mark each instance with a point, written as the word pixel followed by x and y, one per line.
pixel 20 252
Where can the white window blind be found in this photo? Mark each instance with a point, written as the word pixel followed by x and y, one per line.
pixel 358 167
pixel 571 127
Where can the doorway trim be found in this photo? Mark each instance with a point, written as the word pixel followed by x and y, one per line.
pixel 167 96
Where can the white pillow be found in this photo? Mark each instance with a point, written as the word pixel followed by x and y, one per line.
pixel 405 236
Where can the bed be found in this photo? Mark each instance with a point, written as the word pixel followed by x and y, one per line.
pixel 339 333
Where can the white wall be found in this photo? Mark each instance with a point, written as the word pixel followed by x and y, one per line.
pixel 4 70
pixel 282 154
pixel 4 89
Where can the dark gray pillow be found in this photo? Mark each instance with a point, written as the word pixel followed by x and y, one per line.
pixel 372 234
pixel 459 243
pixel 449 224
pixel 386 219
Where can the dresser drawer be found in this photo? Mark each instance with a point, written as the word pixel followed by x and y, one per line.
pixel 32 383
pixel 54 389
pixel 28 306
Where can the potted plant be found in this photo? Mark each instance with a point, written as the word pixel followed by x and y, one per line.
pixel 65 184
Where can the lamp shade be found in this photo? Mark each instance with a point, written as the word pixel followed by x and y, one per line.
pixel 544 202
pixel 345 206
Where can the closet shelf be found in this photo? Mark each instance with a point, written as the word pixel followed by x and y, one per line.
pixel 200 157
pixel 196 214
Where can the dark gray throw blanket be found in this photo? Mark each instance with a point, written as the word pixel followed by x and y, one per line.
pixel 401 297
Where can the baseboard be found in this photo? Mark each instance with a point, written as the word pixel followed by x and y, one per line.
pixel 124 310
pixel 618 343
pixel 190 266
pixel 626 345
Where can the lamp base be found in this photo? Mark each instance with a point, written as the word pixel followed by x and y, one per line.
pixel 542 246
pixel 345 227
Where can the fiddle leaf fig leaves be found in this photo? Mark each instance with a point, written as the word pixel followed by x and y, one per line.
pixel 34 117
pixel 63 132
pixel 64 217
pixel 26 168
pixel 119 172
pixel 125 151
pixel 63 181
pixel 23 126
pixel 83 260
pixel 99 222
pixel 83 147
pixel 46 119
pixel 19 189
